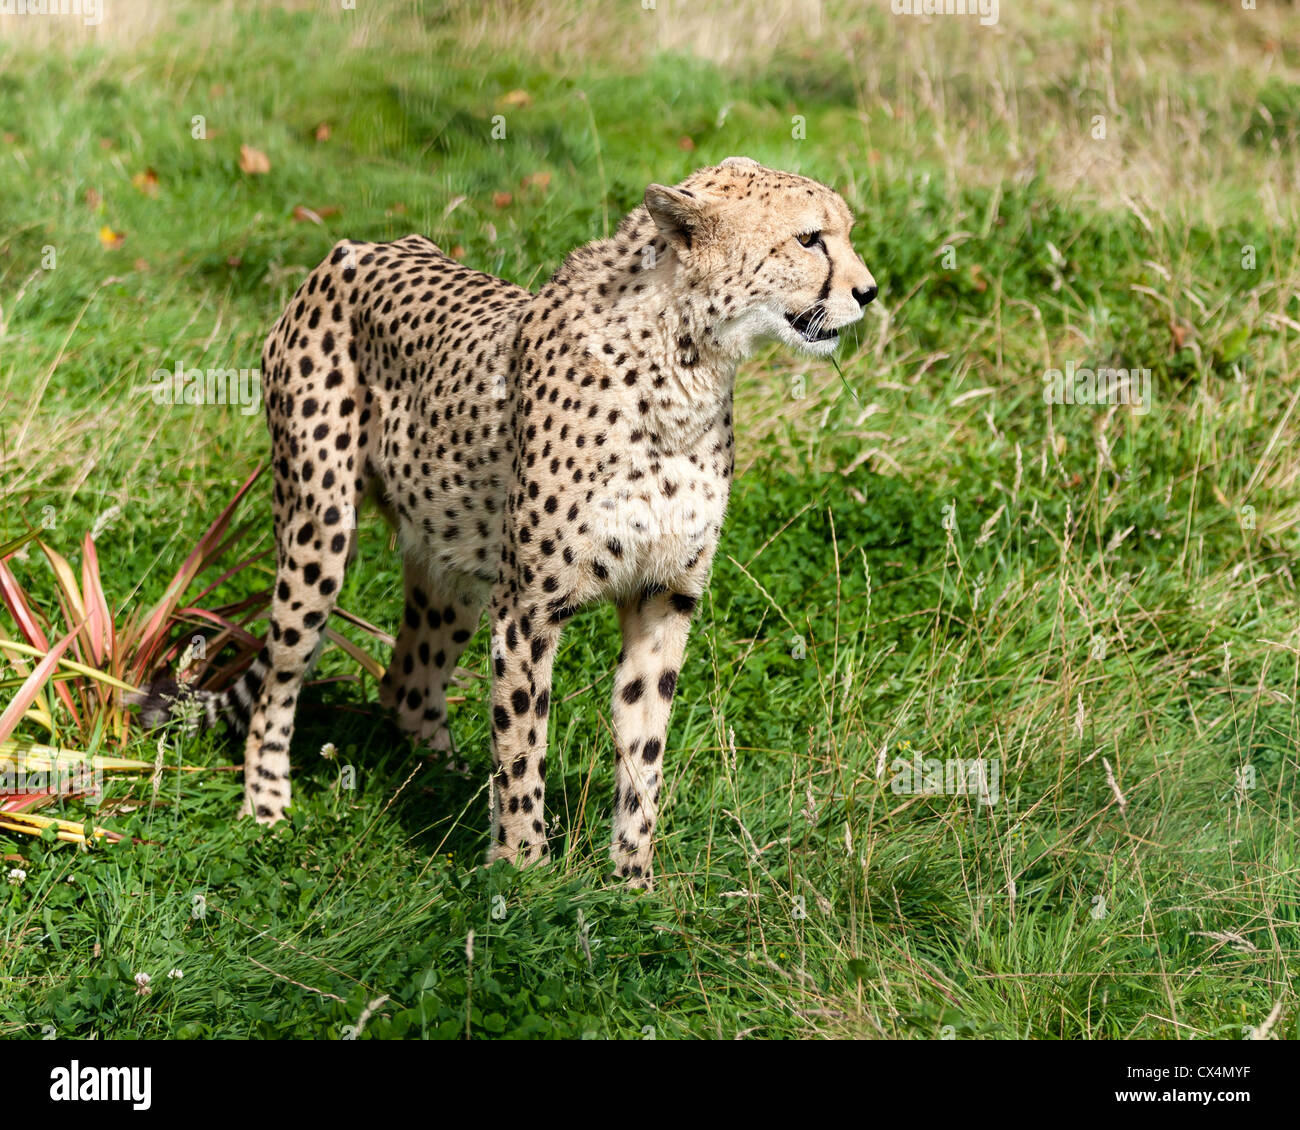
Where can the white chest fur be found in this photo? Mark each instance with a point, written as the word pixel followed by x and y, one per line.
pixel 652 521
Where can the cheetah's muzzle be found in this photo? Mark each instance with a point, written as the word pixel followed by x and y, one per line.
pixel 538 453
pixel 811 324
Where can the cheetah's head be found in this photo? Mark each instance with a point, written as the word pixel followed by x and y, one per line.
pixel 771 251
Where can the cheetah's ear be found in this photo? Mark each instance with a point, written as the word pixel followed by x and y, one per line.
pixel 676 212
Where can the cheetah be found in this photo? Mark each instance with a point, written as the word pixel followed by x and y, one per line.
pixel 537 453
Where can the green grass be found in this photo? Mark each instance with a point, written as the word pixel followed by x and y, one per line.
pixel 1099 618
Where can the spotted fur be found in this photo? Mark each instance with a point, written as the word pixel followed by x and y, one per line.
pixel 537 452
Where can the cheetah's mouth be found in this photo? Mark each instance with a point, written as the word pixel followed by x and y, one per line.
pixel 811 325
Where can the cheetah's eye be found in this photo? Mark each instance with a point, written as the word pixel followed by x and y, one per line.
pixel 810 239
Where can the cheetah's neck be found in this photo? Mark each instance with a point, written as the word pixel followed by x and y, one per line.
pixel 651 334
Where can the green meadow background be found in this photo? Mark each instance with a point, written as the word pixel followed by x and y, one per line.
pixel 921 557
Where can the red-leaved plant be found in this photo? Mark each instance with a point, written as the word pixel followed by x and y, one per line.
pixel 77 688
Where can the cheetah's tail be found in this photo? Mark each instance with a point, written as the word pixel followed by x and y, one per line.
pixel 164 699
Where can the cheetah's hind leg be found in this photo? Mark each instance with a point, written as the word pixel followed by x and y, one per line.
pixel 315 536
pixel 440 617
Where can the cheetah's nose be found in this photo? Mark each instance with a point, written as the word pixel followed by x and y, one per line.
pixel 865 296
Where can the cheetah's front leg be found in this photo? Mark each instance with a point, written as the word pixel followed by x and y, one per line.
pixel 524 639
pixel 654 640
